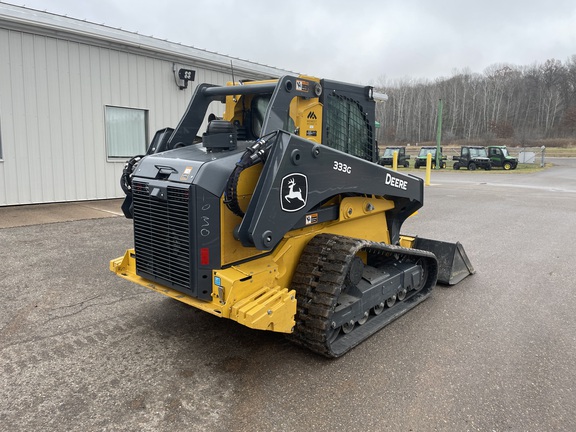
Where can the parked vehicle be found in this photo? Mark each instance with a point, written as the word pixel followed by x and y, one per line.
pixel 388 156
pixel 421 158
pixel 293 234
pixel 499 157
pixel 472 157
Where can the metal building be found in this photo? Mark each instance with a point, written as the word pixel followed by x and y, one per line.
pixel 77 99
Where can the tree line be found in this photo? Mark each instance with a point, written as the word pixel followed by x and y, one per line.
pixel 525 103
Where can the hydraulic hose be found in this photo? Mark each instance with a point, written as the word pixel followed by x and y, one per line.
pixel 254 154
pixel 126 178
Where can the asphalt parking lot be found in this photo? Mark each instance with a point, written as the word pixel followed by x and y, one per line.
pixel 83 350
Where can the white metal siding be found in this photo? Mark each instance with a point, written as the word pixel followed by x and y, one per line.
pixel 52 98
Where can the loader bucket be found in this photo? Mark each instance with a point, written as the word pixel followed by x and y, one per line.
pixel 453 263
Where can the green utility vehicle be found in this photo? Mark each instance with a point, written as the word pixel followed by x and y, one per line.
pixel 388 157
pixel 472 157
pixel 499 157
pixel 421 158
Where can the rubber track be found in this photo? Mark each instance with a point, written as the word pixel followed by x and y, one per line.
pixel 318 281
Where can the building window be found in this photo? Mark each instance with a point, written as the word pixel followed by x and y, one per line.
pixel 126 134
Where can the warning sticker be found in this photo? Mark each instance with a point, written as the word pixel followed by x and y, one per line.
pixel 312 219
pixel 186 174
pixel 302 85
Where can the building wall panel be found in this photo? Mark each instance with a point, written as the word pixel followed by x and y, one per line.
pixel 53 135
pixel 5 108
pixel 19 172
pixel 42 181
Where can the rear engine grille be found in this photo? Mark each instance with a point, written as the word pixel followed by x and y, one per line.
pixel 162 235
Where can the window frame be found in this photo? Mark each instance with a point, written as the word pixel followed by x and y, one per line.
pixel 117 157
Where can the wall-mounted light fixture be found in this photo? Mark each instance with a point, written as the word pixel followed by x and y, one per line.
pixel 182 75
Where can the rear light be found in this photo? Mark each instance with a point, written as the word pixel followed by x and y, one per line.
pixel 204 256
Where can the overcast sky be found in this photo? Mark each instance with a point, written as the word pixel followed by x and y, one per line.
pixel 360 41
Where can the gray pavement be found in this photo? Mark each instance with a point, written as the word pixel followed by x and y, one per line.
pixel 81 349
pixel 36 214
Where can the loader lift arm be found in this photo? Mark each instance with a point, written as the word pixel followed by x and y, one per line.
pixel 326 172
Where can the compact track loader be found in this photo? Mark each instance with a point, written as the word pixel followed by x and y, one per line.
pixel 279 217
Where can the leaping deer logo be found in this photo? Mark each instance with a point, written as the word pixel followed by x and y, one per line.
pixel 292 194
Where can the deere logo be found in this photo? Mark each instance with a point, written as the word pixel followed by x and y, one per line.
pixel 312 115
pixel 294 192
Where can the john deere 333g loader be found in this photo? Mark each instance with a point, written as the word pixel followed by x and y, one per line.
pixel 278 216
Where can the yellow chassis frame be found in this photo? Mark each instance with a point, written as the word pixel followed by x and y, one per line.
pixel 254 294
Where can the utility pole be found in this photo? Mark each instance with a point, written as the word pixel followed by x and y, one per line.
pixel 438 160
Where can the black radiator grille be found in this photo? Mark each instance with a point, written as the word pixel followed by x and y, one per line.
pixel 162 235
